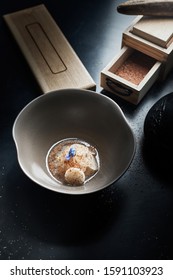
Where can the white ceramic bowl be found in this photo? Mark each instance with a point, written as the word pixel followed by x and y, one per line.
pixel 73 113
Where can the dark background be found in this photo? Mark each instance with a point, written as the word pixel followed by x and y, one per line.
pixel 131 219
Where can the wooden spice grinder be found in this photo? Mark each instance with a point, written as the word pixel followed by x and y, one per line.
pixel 150 40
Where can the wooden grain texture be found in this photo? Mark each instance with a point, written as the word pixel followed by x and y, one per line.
pixel 125 89
pixel 140 43
pixel 147 7
pixel 50 56
pixel 158 30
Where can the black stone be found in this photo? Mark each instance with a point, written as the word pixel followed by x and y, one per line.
pixel 158 125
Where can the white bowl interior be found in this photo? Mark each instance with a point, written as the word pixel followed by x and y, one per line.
pixel 71 113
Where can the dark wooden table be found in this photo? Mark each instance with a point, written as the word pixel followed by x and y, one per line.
pixel 131 219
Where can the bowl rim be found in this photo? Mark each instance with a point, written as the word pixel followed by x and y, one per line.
pixel 72 190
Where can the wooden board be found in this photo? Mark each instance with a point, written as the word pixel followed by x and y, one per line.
pixel 158 30
pixel 50 56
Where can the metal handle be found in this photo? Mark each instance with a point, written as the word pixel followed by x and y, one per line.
pixel 119 89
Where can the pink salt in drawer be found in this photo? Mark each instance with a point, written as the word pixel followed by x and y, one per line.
pixel 130 74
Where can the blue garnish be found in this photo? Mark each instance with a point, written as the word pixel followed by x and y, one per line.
pixel 71 153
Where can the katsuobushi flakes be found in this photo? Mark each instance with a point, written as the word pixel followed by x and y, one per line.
pixel 72 162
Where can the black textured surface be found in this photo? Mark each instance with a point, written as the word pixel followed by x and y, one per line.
pixel 132 219
pixel 158 125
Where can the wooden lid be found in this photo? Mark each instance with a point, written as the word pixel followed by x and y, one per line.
pixel 158 30
pixel 50 56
